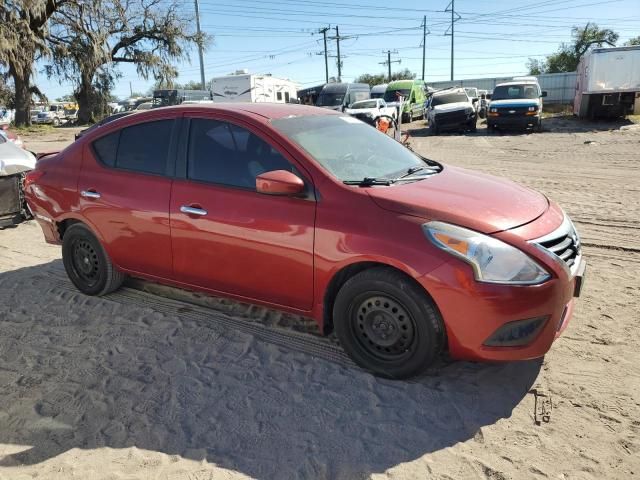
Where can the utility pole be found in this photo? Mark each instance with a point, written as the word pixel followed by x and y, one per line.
pixel 200 54
pixel 453 20
pixel 326 58
pixel 339 61
pixel 389 62
pixel 424 43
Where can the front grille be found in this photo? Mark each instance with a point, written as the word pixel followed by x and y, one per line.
pixel 517 111
pixel 564 242
pixel 459 116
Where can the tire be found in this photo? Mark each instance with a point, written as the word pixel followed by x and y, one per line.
pixel 433 128
pixel 473 126
pixel 539 126
pixel 387 324
pixel 87 264
pixel 56 122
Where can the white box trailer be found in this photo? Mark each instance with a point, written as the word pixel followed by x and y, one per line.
pixel 253 88
pixel 608 82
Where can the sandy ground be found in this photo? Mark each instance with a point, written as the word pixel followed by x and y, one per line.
pixel 155 383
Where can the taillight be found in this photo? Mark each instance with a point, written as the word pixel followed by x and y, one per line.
pixel 32 177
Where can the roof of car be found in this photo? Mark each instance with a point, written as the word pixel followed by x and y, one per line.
pixel 269 111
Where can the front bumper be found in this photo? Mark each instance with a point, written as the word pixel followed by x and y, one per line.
pixel 473 311
pixel 452 120
pixel 514 121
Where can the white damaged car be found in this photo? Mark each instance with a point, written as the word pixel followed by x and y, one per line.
pixel 15 162
pixel 451 109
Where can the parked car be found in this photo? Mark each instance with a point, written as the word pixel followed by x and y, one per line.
pixel 312 212
pixel 370 111
pixel 338 96
pixel 516 104
pixel 474 94
pixel 378 91
pixel 11 136
pixel 415 101
pixel 451 109
pixel 34 115
pixel 14 163
pixel 105 120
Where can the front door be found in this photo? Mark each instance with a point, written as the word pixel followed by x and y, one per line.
pixel 229 238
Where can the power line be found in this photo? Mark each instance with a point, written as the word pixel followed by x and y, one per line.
pixel 388 62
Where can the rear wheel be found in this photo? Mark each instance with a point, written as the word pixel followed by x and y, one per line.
pixel 433 128
pixel 87 264
pixel 387 324
pixel 56 121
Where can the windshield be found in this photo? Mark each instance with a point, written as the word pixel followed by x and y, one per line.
pixel 508 92
pixel 365 104
pixel 393 95
pixel 472 92
pixel 330 99
pixel 448 98
pixel 349 149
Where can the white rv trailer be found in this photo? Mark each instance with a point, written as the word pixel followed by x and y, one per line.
pixel 244 87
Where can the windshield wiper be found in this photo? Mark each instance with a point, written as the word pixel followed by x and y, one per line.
pixel 369 181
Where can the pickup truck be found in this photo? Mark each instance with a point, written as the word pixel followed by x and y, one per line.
pixel 369 111
pixel 54 115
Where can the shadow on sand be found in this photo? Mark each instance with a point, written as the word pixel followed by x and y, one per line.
pixel 85 372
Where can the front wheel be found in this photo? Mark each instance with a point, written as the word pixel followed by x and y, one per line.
pixel 387 324
pixel 87 264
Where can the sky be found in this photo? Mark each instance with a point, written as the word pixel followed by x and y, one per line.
pixel 492 37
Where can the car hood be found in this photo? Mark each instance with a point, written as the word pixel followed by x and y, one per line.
pixel 463 197
pixel 450 107
pixel 356 111
pixel 14 156
pixel 514 102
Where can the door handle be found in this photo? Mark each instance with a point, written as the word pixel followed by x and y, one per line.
pixel 193 210
pixel 89 194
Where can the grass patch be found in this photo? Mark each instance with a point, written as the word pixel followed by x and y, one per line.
pixel 34 129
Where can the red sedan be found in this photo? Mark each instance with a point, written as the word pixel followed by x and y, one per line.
pixel 310 211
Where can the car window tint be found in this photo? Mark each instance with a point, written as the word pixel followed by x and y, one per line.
pixel 144 147
pixel 224 153
pixel 106 148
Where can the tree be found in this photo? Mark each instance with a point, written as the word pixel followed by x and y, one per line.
pixel 379 78
pixel 568 56
pixel 632 42
pixel 89 38
pixel 536 66
pixel 23 31
pixel 66 98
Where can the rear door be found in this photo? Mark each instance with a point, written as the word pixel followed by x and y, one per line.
pixel 239 241
pixel 124 187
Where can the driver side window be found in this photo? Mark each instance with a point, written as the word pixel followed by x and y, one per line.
pixel 226 154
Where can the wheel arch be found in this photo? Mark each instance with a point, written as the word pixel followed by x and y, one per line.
pixel 346 272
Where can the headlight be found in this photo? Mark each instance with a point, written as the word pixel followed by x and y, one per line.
pixel 493 110
pixel 492 260
pixel 533 109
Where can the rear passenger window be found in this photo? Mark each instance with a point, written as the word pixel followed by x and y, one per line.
pixel 106 148
pixel 226 154
pixel 145 147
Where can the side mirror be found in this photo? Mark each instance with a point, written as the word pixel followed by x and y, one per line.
pixel 544 93
pixel 279 182
pixel 488 96
pixel 483 96
pixel 474 100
